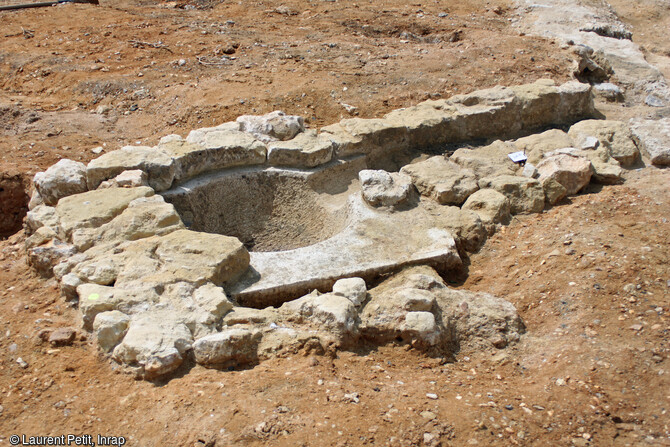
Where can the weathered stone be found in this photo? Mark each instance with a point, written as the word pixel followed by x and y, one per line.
pixel 354 289
pixel 158 166
pixel 213 300
pixel 429 123
pixel 335 312
pixel 487 161
pixel 95 208
pixel 605 169
pixel 144 217
pixel 609 91
pixel 234 345
pixel 306 150
pixel 68 286
pixel 530 171
pixel 466 227
pixel 272 126
pixel 249 315
pixel 197 134
pixel 443 180
pixel 213 150
pixel 653 137
pixel 35 200
pixel 537 145
pixel 490 205
pixel 573 172
pixel 414 299
pixel 421 326
pixel 180 256
pixel 553 190
pixel 110 328
pixel 127 179
pixel 94 299
pixel 380 188
pixel 43 257
pixel 63 179
pixel 155 343
pixel 366 136
pixel 63 336
pixel 42 216
pixel 613 135
pixel 525 195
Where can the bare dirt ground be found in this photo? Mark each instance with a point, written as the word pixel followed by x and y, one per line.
pixel 590 277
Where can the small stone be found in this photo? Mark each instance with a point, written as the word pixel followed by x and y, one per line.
pixel 351 397
pixel 509 407
pixel 636 327
pixel 22 363
pixel 63 336
pixel 561 382
pixel 431 396
pixel 181 62
pixel 97 150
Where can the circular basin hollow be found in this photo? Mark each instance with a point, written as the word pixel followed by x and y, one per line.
pixel 267 210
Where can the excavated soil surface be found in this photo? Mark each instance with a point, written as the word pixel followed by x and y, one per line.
pixel 589 277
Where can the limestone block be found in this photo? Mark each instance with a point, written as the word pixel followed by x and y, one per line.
pixel 127 179
pixel 144 217
pixel 272 126
pixel 110 328
pixel 537 145
pixel 653 138
pixel 97 207
pixel 525 195
pixel 306 150
pixel 421 326
pixel 613 135
pixel 380 188
pixel 158 166
pixel 236 345
pixel 210 151
pixel 487 161
pixel 465 226
pixel 354 289
pixel 573 172
pixel 490 205
pixel 553 190
pixel 444 181
pixel 63 179
pixel 366 136
pixel 155 343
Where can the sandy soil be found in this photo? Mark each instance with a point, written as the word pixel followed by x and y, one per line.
pixel 589 277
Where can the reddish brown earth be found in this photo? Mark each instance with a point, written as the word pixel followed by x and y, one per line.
pixel 590 277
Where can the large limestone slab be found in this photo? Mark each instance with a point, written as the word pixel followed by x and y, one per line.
pixel 653 137
pixel 365 136
pixel 95 208
pixel 374 242
pixel 213 150
pixel 307 150
pixel 144 217
pixel 442 180
pixel 180 256
pixel 156 163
